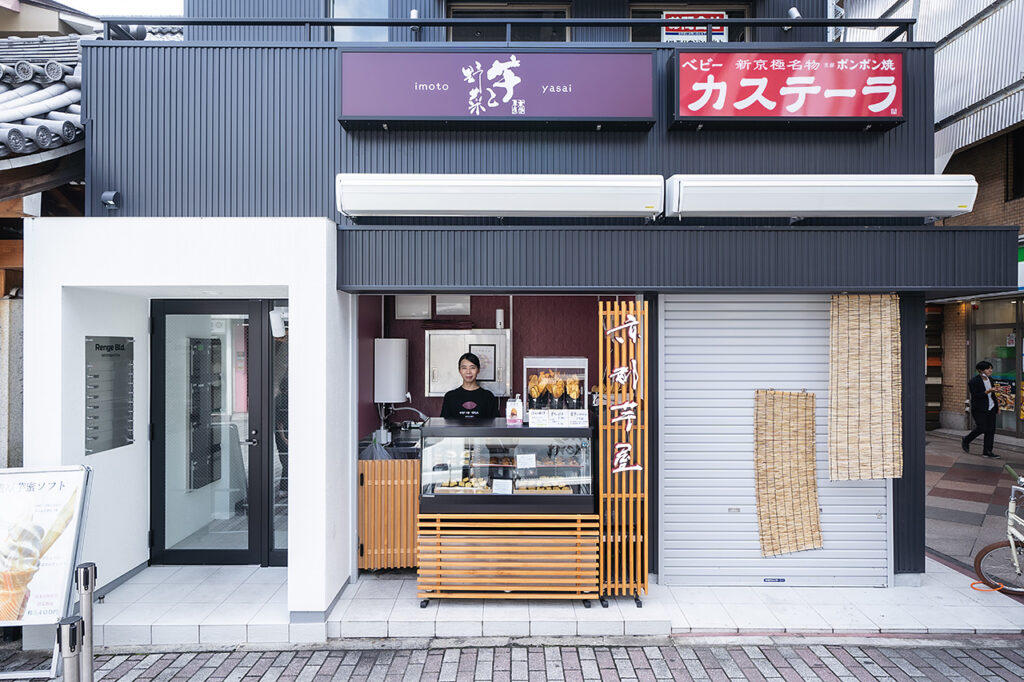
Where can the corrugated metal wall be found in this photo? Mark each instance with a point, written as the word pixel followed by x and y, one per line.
pixel 252 9
pixel 163 120
pixel 639 259
pixel 985 57
pixel 716 351
pixel 227 131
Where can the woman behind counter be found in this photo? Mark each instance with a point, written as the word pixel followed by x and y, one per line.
pixel 469 401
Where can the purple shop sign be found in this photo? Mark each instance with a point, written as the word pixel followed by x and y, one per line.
pixel 506 86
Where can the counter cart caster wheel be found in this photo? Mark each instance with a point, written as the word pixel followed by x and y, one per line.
pixel 423 604
pixel 586 603
pixel 604 602
pixel 639 604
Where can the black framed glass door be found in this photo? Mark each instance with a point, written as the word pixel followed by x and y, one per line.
pixel 217 488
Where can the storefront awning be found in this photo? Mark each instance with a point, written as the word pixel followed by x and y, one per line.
pixel 500 196
pixel 648 196
pixel 819 196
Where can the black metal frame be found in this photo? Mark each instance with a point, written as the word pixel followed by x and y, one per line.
pixel 260 482
pixel 493 504
pixel 114 25
pixel 468 122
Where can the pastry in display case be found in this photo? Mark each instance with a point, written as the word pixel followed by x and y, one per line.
pixel 490 466
pixel 556 391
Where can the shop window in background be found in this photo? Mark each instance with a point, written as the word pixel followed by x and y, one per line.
pixel 683 32
pixel 998 345
pixel 520 32
pixel 1002 311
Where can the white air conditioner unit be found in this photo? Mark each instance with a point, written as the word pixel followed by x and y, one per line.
pixel 570 196
pixel 833 196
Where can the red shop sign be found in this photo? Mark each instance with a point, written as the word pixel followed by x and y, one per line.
pixel 790 85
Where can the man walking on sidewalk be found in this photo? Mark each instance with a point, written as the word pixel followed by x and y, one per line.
pixel 984 409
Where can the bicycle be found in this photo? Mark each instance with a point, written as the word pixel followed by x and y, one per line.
pixel 999 565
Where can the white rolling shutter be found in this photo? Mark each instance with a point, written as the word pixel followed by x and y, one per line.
pixel 715 351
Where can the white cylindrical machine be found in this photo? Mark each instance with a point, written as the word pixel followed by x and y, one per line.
pixel 390 370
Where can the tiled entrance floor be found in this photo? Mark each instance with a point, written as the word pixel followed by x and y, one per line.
pixel 944 603
pixel 196 604
pixel 243 604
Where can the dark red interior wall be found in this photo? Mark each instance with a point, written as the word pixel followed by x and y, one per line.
pixel 369 327
pixel 482 314
pixel 542 326
pixel 554 326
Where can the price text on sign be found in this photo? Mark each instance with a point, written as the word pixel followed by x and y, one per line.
pixel 790 84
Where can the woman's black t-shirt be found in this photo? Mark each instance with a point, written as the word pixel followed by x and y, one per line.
pixel 462 404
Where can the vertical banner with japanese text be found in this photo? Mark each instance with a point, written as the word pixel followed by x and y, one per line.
pixel 623 436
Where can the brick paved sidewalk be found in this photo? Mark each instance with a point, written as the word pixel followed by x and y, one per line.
pixel 992 660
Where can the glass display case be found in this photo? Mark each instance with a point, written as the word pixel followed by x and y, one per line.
pixel 555 391
pixel 488 466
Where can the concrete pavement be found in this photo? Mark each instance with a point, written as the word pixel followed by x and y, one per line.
pixel 965 507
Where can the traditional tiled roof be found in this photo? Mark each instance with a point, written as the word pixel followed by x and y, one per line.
pixel 165 33
pixel 40 95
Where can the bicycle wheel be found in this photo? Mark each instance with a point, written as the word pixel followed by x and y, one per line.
pixel 994 567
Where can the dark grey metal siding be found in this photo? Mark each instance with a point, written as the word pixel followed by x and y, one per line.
pixel 256 9
pixel 908 492
pixel 245 130
pixel 676 259
pixel 214 131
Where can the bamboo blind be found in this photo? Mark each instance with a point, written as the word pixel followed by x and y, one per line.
pixel 508 556
pixel 787 491
pixel 623 446
pixel 389 501
pixel 865 418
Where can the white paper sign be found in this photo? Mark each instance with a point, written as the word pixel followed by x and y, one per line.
pixel 578 418
pixel 501 486
pixel 559 417
pixel 540 418
pixel 691 33
pixel 526 461
pixel 40 518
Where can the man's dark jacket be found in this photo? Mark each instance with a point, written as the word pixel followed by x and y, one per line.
pixel 979 401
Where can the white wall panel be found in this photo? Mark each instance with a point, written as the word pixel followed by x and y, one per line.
pixel 715 351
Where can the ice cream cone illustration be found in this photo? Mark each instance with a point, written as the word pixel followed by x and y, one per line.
pixel 14 593
pixel 20 556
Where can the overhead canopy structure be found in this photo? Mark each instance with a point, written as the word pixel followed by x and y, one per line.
pixel 648 196
pixel 820 196
pixel 503 196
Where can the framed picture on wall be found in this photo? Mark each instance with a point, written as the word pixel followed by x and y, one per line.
pixel 487 353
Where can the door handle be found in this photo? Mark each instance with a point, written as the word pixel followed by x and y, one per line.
pixel 252 442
